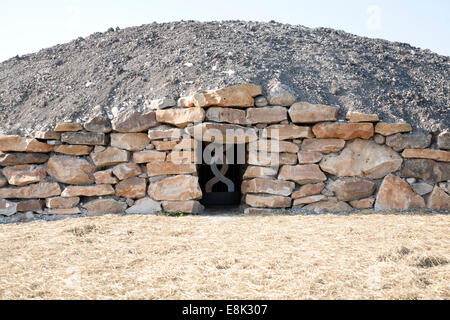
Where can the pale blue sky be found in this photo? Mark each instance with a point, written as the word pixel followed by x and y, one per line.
pixel 27 26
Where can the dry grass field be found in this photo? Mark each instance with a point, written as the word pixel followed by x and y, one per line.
pixel 371 256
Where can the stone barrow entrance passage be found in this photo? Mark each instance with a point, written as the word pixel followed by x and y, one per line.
pixel 220 174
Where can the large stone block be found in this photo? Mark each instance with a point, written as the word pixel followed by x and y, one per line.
pixel 183 144
pixel 186 156
pixel 88 191
pixel 362 158
pixel 302 174
pixel 438 200
pixel 346 131
pixel 181 117
pixel 126 170
pixel 443 140
pixel 361 117
pixel 169 168
pixel 271 159
pixel 104 206
pixel 149 156
pixel 426 169
pixel 363 203
pixel 417 140
pixel 178 188
pixel 287 132
pixel 7 208
pixel 132 121
pixel 396 194
pixel 73 150
pixel 438 155
pixel 71 170
pixel 98 124
pixel 266 115
pixel 105 177
pixel 235 96
pixel 309 199
pixel 304 112
pixel 133 188
pixel 40 190
pixel 267 201
pixel 348 189
pixel 308 190
pixel 22 175
pixel 306 157
pixel 109 157
pixel 61 202
pixel 165 132
pixel 222 133
pixel 280 94
pixel 387 129
pixel 260 172
pixel 12 143
pixel 68 127
pixel 273 146
pixel 323 145
pixel 84 138
pixel 189 206
pixel 268 186
pixel 228 115
pixel 144 206
pixel 129 141
pixel 328 206
pixel 31 205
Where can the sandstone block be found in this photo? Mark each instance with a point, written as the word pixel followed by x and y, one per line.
pixel 306 157
pixel 438 155
pixel 273 146
pixel 261 101
pixel 417 140
pixel 363 203
pixel 268 186
pixel 13 159
pixel 70 170
pixel 328 206
pixel 178 188
pixel 396 194
pixel 323 145
pixel 260 172
pixel 164 132
pixel 287 132
pixel 348 189
pixel 98 124
pixel 22 175
pixel 169 168
pixel 39 190
pixel 222 133
pixel 362 158
pixel 7 208
pixel 387 129
pixel 310 199
pixel 180 117
pixel 228 115
pixel 422 188
pixel 47 135
pixel 88 191
pixel 144 206
pixel 109 157
pixel 179 157
pixel 132 121
pixel 68 126
pixel 184 144
pixel 12 143
pixel 304 112
pixel 3 181
pixel 61 202
pixel 65 211
pixel 346 131
pixel 302 174
pixel 149 156
pixel 443 140
pixel 267 201
pixel 426 169
pixel 104 206
pixel 190 206
pixel 30 205
pixel 129 141
pixel 280 94
pixel 271 159
pixel 438 200
pixel 105 177
pixel 73 150
pixel 161 103
pixel 266 115
pixel 361 117
pixel 84 138
pixel 133 188
pixel 308 190
pixel 126 170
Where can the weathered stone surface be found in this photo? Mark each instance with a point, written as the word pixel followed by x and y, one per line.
pixel 261 101
pixel 132 121
pixel 7 208
pixel 261 211
pixel 73 150
pixel 235 96
pixel 178 188
pixel 104 206
pixel 260 172
pixel 222 133
pixel 126 170
pixel 105 177
pixel 129 141
pixel 438 155
pixel 169 168
pixel 30 205
pixel 161 103
pixel 180 117
pixel 183 144
pixel 362 158
pixel 443 140
pixel 306 157
pixel 13 143
pixel 308 190
pixel 98 124
pixel 346 131
pixel 229 115
pixel 310 199
pixel 363 203
pixel 266 115
pixel 361 117
pixel 186 156
pixel 13 159
pixel 164 132
pixel 86 138
pixel 266 159
pixel 417 140
pixel 61 202
pixel 304 112
pixel 387 129
pixel 438 200
pixel 47 135
pixel 273 146
pixel 149 156
pixel 190 206
pixel 422 188
pixel 3 181
pixel 323 145
pixel 38 190
pixel 328 206
pixel 280 94
pixel 378 138
pixel 68 211
pixel 70 170
pixel 266 201
pixel 88 191
pixel 268 186
pixel 348 189
pixel 287 132
pixel 110 157
pixel 144 206
pixel 302 174
pixel 133 188
pixel 426 169
pixel 22 175
pixel 396 194
pixel 68 126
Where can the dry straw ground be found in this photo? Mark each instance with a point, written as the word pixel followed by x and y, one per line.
pixel 251 257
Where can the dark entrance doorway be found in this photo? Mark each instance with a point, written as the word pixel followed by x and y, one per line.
pixel 221 182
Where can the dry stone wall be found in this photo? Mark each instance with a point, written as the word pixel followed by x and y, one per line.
pixel 146 162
